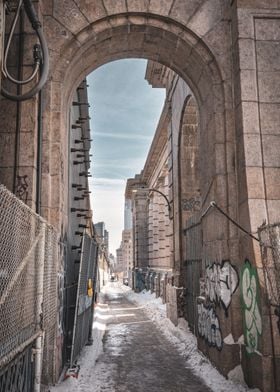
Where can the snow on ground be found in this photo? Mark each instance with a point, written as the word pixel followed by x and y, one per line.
pixel 186 344
pixel 180 336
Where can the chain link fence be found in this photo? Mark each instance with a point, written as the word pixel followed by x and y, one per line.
pixel 50 307
pixel 270 248
pixel 28 282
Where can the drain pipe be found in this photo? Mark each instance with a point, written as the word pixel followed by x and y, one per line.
pixel 18 103
pixel 39 153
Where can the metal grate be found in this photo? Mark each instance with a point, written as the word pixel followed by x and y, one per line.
pixel 83 312
pixel 18 374
pixel 27 279
pixel 192 268
pixel 270 248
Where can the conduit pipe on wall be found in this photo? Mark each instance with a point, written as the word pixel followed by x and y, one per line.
pixel 39 58
pixel 18 104
pixel 39 153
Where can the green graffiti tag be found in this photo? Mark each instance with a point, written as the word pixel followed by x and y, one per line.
pixel 250 305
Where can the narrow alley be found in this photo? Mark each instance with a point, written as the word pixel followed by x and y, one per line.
pixel 132 343
pixel 131 352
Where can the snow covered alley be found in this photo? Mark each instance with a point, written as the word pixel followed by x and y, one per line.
pixel 136 348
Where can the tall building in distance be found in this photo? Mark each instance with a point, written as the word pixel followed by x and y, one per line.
pixel 127 214
pixel 103 235
pixel 125 251
pixel 124 254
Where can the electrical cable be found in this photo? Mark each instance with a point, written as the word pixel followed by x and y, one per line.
pixel 213 204
pixel 40 55
pixel 37 58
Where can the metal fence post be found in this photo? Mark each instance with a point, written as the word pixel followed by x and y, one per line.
pixel 39 310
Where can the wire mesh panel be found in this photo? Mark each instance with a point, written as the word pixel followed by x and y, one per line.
pixel 192 270
pixel 22 250
pixel 28 274
pixel 18 374
pixel 270 247
pixel 83 313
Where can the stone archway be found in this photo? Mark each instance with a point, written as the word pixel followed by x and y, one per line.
pixel 159 38
pixel 136 34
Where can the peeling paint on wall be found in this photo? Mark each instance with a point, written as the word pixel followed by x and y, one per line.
pixel 250 305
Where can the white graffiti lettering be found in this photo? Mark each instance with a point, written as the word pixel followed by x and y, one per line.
pixel 209 326
pixel 220 283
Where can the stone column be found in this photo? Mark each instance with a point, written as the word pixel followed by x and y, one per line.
pixel 256 38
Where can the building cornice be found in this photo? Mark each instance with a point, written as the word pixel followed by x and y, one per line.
pixel 158 144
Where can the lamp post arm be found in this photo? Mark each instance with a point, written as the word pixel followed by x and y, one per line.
pixel 165 197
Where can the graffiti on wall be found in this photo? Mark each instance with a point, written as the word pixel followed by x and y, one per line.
pixel 22 188
pixel 250 305
pixel 192 204
pixel 221 281
pixel 209 326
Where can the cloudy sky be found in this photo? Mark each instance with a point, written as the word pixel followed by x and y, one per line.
pixel 124 112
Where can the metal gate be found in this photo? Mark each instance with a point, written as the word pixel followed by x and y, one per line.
pixel 193 266
pixel 85 297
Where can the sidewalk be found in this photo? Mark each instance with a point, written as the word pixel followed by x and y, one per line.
pixel 141 351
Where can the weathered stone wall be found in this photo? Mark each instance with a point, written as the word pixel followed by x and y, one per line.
pixel 160 233
pixel 255 38
pixel 140 229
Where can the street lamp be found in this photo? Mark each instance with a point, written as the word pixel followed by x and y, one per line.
pixel 162 194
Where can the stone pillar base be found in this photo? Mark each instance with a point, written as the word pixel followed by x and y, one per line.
pixel 174 303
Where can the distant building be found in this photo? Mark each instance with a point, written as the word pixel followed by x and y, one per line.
pixel 119 262
pixel 103 236
pixel 125 253
pixel 127 215
pixel 112 261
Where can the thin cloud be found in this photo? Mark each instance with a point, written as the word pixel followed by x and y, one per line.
pixel 108 182
pixel 124 112
pixel 112 171
pixel 124 163
pixel 130 136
